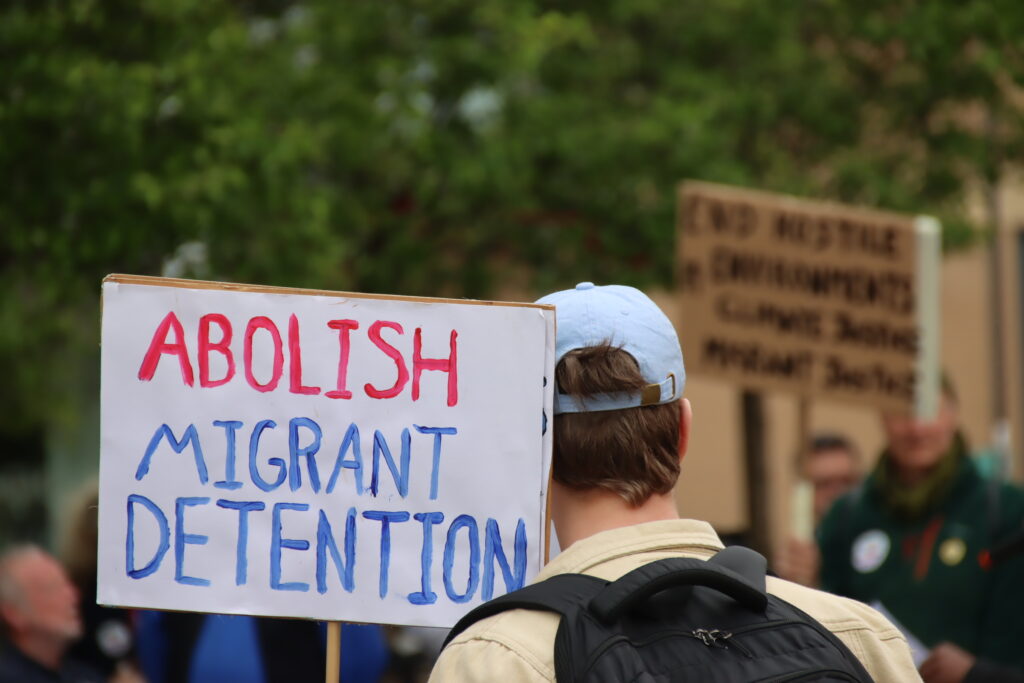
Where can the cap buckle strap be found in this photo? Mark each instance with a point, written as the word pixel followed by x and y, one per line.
pixel 653 394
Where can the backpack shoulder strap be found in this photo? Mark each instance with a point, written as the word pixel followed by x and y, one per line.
pixel 563 594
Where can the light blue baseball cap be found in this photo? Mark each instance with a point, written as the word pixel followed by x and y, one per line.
pixel 626 318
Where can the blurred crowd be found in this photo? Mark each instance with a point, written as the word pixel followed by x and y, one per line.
pixel 53 631
pixel 924 535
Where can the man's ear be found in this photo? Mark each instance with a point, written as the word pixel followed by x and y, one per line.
pixel 685 421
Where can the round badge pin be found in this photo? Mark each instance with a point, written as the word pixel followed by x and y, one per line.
pixel 870 550
pixel 952 551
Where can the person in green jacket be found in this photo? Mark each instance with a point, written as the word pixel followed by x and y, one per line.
pixel 916 537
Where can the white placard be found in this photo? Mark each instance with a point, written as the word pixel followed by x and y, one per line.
pixel 338 457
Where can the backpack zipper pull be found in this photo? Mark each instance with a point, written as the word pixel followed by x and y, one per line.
pixel 711 638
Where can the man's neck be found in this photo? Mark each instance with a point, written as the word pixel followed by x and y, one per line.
pixel 579 514
pixel 44 651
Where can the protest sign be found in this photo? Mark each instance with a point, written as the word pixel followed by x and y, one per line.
pixel 809 297
pixel 314 454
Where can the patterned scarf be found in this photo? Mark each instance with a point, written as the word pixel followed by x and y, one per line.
pixel 913 502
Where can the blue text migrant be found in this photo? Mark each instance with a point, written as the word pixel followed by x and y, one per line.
pixel 334 545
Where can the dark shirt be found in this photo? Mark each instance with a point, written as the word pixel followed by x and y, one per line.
pixel 181 647
pixel 107 638
pixel 930 571
pixel 985 671
pixel 15 667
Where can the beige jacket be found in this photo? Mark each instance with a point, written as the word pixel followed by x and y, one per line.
pixel 519 645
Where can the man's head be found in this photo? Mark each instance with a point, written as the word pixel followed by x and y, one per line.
pixel 916 446
pixel 832 465
pixel 619 380
pixel 38 602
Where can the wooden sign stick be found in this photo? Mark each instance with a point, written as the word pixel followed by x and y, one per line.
pixel 333 652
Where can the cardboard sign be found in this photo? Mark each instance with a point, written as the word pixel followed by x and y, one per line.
pixel 809 297
pixel 315 454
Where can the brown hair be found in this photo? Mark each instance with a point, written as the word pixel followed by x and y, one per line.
pixel 82 536
pixel 633 452
pixel 823 443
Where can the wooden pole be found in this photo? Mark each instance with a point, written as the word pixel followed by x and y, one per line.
pixel 333 652
pixel 757 471
pixel 1000 414
pixel 803 425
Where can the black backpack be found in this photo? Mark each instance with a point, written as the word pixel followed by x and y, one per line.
pixel 680 619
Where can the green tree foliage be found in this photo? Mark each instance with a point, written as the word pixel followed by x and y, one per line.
pixel 450 148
